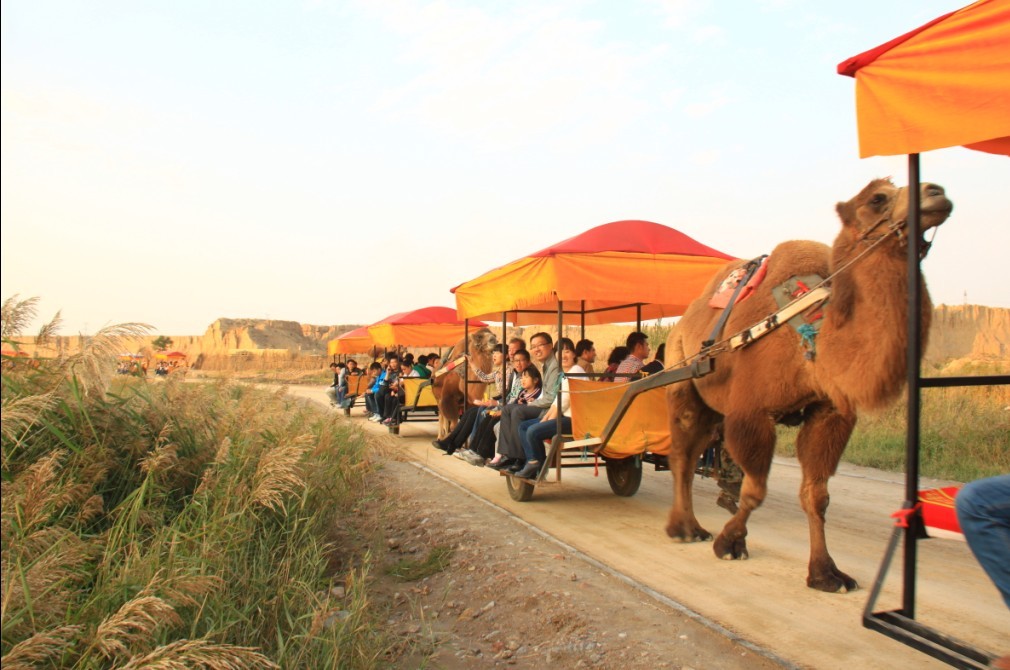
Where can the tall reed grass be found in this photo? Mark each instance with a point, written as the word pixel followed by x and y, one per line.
pixel 175 525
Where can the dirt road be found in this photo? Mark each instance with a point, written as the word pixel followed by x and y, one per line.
pixel 763 600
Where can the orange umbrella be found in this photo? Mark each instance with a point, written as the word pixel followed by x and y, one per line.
pixel 425 327
pixel 170 356
pixel 356 341
pixel 616 272
pixel 944 84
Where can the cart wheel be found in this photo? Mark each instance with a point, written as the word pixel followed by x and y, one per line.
pixel 624 475
pixel 519 490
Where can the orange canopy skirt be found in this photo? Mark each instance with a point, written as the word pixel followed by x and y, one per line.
pixel 944 84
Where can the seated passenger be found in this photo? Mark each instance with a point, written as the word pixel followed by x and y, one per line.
pixel 533 432
pixel 421 367
pixel 613 362
pixel 638 347
pixel 658 364
pixel 532 391
pixel 585 355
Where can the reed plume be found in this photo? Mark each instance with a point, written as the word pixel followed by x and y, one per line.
pixel 45 648
pixel 187 654
pixel 278 474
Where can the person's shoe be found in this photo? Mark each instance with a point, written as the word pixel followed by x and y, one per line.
pixel 474 458
pixel 529 471
pixel 374 418
pixel 516 466
pixel 503 464
pixel 387 422
pixel 439 444
pixel 461 454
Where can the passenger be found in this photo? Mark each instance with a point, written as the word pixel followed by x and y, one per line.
pixel 390 395
pixel 434 361
pixel 472 422
pixel 421 367
pixel 585 353
pixel 638 346
pixel 407 367
pixel 512 415
pixel 372 400
pixel 473 416
pixel 658 363
pixel 614 362
pixel 333 390
pixel 531 383
pixel 533 432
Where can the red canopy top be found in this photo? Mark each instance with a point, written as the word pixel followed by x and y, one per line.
pixel 644 237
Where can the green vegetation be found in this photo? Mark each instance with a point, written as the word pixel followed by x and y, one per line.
pixel 964 434
pixel 162 343
pixel 173 524
pixel 409 570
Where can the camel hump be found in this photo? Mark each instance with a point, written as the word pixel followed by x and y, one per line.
pixel 796 258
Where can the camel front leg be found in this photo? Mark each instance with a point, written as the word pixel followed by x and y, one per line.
pixel 691 426
pixel 819 448
pixel 750 440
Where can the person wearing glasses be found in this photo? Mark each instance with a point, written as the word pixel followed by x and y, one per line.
pixel 509 444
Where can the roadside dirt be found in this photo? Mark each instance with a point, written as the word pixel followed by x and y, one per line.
pixel 511 597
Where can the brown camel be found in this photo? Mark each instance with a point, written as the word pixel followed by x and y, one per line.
pixel 448 388
pixel 858 364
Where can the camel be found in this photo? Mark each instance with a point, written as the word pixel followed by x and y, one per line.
pixel 858 363
pixel 448 388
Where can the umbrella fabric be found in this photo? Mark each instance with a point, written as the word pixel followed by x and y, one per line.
pixel 944 84
pixel 425 327
pixel 611 267
pixel 356 341
pixel 169 355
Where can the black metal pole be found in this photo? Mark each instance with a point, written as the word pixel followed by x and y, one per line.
pixel 914 355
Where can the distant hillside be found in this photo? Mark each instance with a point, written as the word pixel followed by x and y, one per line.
pixel 960 334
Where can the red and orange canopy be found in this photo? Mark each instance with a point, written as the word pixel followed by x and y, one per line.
pixel 944 84
pixel 609 274
pixel 425 327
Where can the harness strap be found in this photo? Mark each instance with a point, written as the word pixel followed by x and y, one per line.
pixel 814 296
pixel 752 267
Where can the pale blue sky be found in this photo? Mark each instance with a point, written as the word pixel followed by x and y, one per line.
pixel 336 162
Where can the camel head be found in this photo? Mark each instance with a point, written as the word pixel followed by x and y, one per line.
pixel 880 211
pixel 481 347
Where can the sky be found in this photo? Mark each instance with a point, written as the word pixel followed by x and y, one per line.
pixel 172 163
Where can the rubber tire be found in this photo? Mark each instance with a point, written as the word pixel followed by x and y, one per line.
pixel 519 490
pixel 624 475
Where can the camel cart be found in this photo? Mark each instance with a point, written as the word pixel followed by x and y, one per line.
pixel 428 327
pixel 944 84
pixel 620 272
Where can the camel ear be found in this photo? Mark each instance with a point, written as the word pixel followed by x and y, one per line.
pixel 845 213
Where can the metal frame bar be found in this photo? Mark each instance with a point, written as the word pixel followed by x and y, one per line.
pixel 901 624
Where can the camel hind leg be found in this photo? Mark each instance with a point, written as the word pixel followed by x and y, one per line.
pixel 750 440
pixel 819 448
pixel 691 426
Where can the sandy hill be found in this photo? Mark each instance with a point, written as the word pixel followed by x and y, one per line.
pixel 960 334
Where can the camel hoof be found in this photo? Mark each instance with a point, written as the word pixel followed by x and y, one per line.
pixel 730 549
pixel 687 532
pixel 835 581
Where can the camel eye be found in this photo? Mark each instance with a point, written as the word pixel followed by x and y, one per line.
pixel 878 199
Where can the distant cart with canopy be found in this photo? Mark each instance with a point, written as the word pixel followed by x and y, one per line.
pixel 424 327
